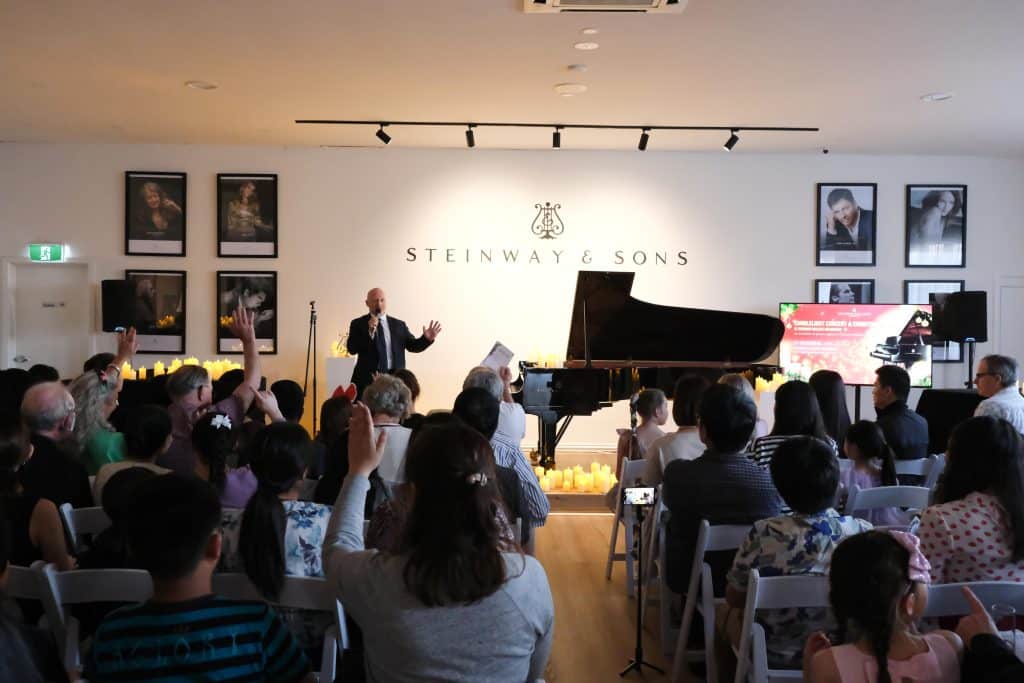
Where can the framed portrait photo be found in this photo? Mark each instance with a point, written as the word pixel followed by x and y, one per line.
pixel 918 292
pixel 247 215
pixel 936 229
pixel 255 290
pixel 844 291
pixel 159 309
pixel 845 224
pixel 154 213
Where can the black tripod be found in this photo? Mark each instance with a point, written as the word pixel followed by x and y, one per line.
pixel 311 348
pixel 638 662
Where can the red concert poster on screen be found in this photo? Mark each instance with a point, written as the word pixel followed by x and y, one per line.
pixel 855 339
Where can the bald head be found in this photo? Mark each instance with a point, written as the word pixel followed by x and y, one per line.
pixel 375 301
pixel 48 409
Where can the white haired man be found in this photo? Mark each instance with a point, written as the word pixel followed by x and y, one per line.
pixel 997 379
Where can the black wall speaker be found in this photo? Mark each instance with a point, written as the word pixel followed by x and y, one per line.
pixel 960 316
pixel 118 304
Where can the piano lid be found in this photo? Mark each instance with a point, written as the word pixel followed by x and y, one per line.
pixel 621 328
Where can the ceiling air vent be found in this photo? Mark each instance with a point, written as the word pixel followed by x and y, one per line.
pixel 651 6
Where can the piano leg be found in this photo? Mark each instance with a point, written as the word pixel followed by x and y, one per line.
pixel 548 436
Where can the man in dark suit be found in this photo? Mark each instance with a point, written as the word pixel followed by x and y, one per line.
pixel 381 341
pixel 847 226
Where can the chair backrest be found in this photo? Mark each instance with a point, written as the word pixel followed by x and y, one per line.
pixel 25 583
pixel 79 521
pixel 631 471
pixel 947 600
pixel 915 497
pixel 919 467
pixel 932 480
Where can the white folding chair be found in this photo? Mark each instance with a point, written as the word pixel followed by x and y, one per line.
pixel 630 472
pixel 928 468
pixel 776 592
pixel 913 497
pixel 651 545
pixel 79 586
pixel 80 521
pixel 25 583
pixel 947 600
pixel 298 592
pixel 700 596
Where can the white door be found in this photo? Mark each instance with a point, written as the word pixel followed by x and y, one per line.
pixel 1010 302
pixel 50 317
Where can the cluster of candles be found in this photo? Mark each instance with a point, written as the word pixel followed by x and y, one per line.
pixel 777 380
pixel 598 480
pixel 216 368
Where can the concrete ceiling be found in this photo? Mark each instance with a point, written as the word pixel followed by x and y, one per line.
pixel 106 71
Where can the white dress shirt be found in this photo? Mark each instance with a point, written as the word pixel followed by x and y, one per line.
pixel 1007 404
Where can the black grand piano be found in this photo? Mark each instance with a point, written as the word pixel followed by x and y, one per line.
pixel 619 345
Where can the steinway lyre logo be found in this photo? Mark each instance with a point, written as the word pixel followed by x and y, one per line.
pixel 547 224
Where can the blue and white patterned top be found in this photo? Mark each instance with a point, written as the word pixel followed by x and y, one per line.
pixel 303 536
pixel 785 545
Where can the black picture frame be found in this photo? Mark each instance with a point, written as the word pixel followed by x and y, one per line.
pixel 155 230
pixel 248 286
pixel 916 292
pixel 841 248
pixel 863 290
pixel 931 239
pixel 155 332
pixel 247 231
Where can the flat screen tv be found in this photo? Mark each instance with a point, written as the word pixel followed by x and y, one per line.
pixel 855 339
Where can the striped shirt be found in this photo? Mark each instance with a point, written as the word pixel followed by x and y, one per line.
pixel 763 448
pixel 209 638
pixel 509 455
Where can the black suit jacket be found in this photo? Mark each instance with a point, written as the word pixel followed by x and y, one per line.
pixel 865 234
pixel 359 342
pixel 55 475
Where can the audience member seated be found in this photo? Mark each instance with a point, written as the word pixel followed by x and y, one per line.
pixel 987 658
pixel 975 529
pixel 98 361
pixel 27 654
pixel 36 532
pixel 879 590
pixel 290 399
pixel 109 550
pixel 334 415
pixel 905 431
pixel 796 414
pixel 722 486
pixel 738 381
pixel 684 443
pixel 277 535
pixel 512 418
pixel 14 382
pixel 214 440
pixel 806 474
pixel 872 465
pixel 40 373
pixel 191 393
pixel 147 436
pixel 388 400
pixel 652 410
pixel 456 602
pixel 412 420
pixel 997 379
pixel 830 389
pixel 53 472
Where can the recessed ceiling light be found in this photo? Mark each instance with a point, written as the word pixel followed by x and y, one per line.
pixel 570 89
pixel 579 68
pixel 586 46
pixel 589 31
pixel 201 85
pixel 937 96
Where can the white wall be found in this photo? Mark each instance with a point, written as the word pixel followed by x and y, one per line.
pixel 348 216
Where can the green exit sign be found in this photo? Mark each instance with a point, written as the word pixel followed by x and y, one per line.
pixel 46 253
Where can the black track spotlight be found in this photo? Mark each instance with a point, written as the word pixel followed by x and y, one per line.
pixel 556 138
pixel 731 142
pixel 470 138
pixel 382 136
pixel 644 137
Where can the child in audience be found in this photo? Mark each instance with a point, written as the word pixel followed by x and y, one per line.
pixel 879 589
pixel 185 632
pixel 454 603
pixel 805 471
pixel 872 464
pixel 147 436
pixel 214 439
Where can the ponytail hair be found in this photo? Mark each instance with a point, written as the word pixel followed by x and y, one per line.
pixel 277 457
pixel 868 578
pixel 452 538
pixel 869 439
pixel 14 448
pixel 214 439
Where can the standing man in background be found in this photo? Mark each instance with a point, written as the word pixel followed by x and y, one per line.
pixel 381 341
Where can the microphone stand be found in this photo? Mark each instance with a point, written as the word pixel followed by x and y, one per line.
pixel 311 349
pixel 637 663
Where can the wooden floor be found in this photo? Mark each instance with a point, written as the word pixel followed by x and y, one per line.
pixel 595 623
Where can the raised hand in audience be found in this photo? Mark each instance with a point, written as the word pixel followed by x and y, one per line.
pixel 243 325
pixel 977 622
pixel 816 642
pixel 363 454
pixel 127 345
pixel 267 402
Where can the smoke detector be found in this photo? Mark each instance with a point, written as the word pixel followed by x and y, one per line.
pixel 649 6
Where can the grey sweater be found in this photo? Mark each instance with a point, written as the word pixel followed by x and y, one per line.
pixel 504 637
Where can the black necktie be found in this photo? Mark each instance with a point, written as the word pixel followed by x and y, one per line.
pixel 383 362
